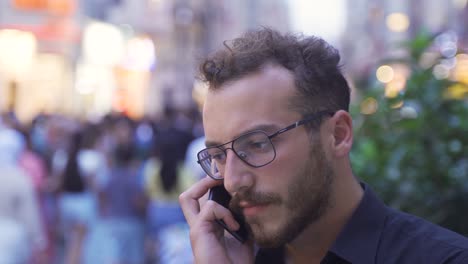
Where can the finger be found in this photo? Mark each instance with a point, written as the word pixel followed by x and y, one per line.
pixel 189 200
pixel 204 198
pixel 213 211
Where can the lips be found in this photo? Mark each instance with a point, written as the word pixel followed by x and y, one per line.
pixel 249 204
pixel 250 209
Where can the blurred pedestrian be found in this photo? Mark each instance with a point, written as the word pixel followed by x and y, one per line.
pixel 191 165
pixel 33 163
pixel 165 177
pixel 22 236
pixel 76 202
pixel 118 236
pixel 165 219
pixel 36 168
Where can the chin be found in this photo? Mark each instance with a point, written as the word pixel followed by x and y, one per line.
pixel 265 241
pixel 265 236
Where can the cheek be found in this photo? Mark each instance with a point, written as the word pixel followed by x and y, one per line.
pixel 277 176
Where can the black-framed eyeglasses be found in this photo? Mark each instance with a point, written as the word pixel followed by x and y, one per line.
pixel 254 148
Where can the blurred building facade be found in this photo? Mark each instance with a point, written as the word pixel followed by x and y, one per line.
pixel 376 27
pixel 37 44
pixel 86 58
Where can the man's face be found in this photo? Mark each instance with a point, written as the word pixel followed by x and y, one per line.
pixel 282 198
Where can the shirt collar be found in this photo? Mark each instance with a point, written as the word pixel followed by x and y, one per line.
pixel 359 239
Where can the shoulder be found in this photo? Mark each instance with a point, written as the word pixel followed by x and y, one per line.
pixel 409 239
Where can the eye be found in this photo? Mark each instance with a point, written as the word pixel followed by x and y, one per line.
pixel 219 156
pixel 215 154
pixel 258 145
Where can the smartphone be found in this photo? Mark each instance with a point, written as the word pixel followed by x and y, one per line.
pixel 221 196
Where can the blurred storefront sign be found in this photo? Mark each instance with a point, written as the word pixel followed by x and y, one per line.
pixel 53 30
pixel 130 96
pixel 31 81
pixel 49 20
pixel 55 7
pixel 103 44
pixel 115 70
pixel 37 44
pixel 93 89
pixel 46 88
pixel 133 75
pixel 17 52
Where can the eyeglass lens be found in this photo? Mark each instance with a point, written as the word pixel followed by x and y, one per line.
pixel 254 148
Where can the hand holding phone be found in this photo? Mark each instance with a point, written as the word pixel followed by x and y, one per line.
pixel 222 197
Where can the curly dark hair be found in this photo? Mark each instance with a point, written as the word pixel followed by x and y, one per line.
pixel 313 62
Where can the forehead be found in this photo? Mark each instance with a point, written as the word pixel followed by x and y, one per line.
pixel 257 100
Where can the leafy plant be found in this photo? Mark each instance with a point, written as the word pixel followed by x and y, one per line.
pixel 411 144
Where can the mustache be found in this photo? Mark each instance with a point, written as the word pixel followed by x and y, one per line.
pixel 252 198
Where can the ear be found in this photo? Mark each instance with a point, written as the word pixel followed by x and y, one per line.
pixel 342 131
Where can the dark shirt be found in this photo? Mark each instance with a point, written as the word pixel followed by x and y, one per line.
pixel 378 234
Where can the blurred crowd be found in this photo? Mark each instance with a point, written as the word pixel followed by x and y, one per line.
pixel 101 191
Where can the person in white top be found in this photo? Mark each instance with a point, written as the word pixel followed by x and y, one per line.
pixel 22 231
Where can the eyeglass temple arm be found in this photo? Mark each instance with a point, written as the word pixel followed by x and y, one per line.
pixel 303 121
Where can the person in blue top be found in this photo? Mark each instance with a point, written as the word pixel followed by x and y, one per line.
pixel 278 137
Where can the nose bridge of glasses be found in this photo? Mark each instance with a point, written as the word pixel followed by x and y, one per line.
pixel 235 155
pixel 228 145
pixel 233 152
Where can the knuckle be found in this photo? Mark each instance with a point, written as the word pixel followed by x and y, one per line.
pixel 183 197
pixel 210 205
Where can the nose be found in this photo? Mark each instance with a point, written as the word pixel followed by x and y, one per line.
pixel 237 174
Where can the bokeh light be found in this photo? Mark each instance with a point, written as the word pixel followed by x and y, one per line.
pixel 369 106
pixel 398 22
pixel 397 105
pixel 441 71
pixel 456 92
pixel 392 89
pixel 398 83
pixel 408 112
pixel 385 73
pixel 460 72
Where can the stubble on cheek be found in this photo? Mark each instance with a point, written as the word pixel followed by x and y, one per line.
pixel 307 201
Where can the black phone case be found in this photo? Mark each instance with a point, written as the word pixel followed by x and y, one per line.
pixel 221 196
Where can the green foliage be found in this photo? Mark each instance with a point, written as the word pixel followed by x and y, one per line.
pixel 416 155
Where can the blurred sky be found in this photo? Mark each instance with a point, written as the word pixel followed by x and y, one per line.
pixel 316 17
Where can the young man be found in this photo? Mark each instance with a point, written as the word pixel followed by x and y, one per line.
pixel 278 136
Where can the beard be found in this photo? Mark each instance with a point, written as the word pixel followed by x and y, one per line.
pixel 307 201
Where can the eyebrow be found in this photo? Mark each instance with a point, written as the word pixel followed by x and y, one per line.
pixel 268 128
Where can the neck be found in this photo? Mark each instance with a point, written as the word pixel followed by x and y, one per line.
pixel 313 243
